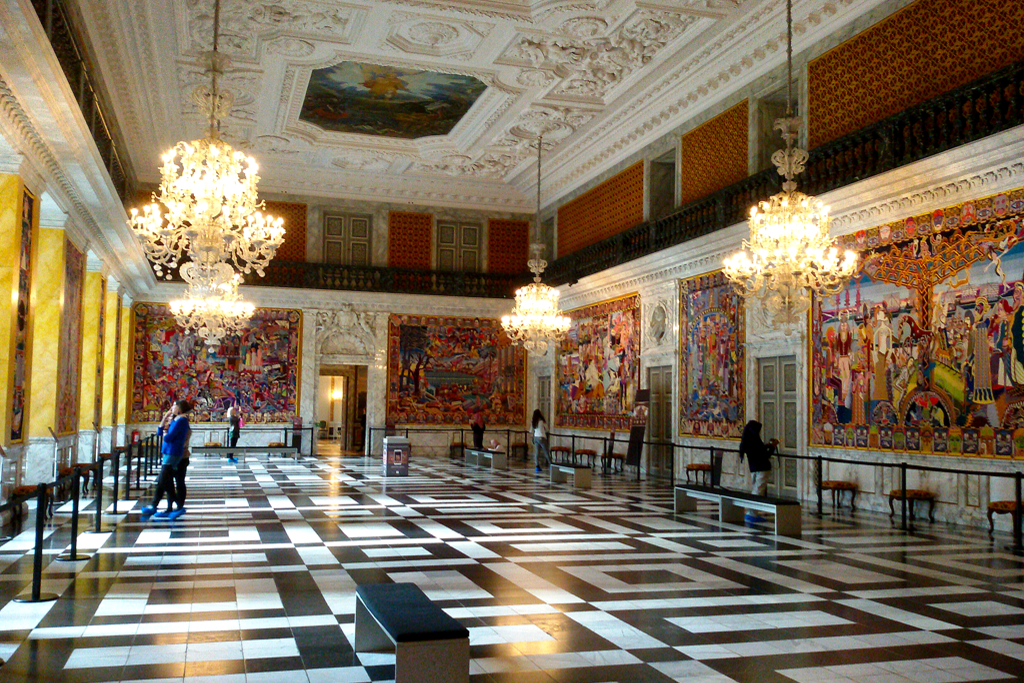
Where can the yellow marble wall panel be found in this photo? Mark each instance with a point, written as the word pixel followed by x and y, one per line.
pixel 10 244
pixel 47 300
pixel 109 358
pixel 92 294
pixel 123 364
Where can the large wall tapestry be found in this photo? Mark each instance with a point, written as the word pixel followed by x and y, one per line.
pixel 443 370
pixel 598 366
pixel 711 360
pixel 924 350
pixel 19 379
pixel 352 97
pixel 257 370
pixel 69 353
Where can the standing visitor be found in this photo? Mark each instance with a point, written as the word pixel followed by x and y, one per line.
pixel 758 456
pixel 758 459
pixel 179 478
pixel 175 429
pixel 234 429
pixel 541 454
pixel 478 427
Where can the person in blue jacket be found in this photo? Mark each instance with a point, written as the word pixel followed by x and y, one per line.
pixel 175 429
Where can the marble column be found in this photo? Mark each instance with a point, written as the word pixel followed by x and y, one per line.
pixel 47 301
pixel 108 410
pixel 90 377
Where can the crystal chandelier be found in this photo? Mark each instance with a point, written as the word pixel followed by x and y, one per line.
pixel 208 190
pixel 791 254
pixel 535 320
pixel 212 307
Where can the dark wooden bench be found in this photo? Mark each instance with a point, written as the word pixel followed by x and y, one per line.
pixel 429 645
pixel 731 506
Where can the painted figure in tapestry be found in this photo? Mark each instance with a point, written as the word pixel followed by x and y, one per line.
pixel 446 370
pixel 711 353
pixel 597 365
pixel 19 381
pixel 926 344
pixel 257 370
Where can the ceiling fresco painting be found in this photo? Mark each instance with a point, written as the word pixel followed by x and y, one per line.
pixel 353 97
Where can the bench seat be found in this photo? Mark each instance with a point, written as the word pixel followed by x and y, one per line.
pixel 496 460
pixel 430 646
pixel 561 472
pixel 732 504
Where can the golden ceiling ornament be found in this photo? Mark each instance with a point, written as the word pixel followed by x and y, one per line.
pixel 789 256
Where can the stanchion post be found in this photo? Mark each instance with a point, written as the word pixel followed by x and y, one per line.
pixel 116 455
pixel 99 496
pixel 903 490
pixel 76 494
pixel 36 594
pixel 1017 514
pixel 817 476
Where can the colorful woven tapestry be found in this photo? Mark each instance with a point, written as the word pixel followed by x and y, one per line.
pixel 257 370
pixel 924 350
pixel 441 371
pixel 711 361
pixel 598 366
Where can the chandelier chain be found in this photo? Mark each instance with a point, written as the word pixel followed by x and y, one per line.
pixel 789 256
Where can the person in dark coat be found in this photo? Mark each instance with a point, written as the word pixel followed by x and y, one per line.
pixel 478 426
pixel 758 455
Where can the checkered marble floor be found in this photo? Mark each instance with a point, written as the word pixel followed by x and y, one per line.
pixel 256 584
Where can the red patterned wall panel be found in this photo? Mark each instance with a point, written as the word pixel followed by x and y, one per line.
pixel 294 215
pixel 409 240
pixel 924 50
pixel 714 154
pixel 606 210
pixel 508 246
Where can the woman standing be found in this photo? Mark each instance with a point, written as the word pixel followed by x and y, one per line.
pixel 234 428
pixel 478 426
pixel 540 441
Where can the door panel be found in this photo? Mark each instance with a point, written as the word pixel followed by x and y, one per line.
pixel 659 424
pixel 777 412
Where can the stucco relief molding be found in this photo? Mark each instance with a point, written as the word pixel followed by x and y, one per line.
pixel 346 331
pixel 37 153
pixel 939 196
pixel 631 125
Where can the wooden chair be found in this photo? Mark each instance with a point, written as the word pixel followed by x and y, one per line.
pixel 837 487
pixel 699 469
pixel 999 507
pixel 518 449
pixel 455 449
pixel 911 496
pixel 587 455
pixel 562 451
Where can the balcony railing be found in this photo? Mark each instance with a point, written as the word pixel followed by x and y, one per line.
pixel 396 280
pixel 984 107
pixel 57 25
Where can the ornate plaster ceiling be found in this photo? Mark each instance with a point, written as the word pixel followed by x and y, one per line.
pixel 599 78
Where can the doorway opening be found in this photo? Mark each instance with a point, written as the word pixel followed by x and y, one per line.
pixel 777 396
pixel 663 185
pixel 660 451
pixel 341 406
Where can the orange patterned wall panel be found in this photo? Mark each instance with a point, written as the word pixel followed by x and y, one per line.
pixel 508 246
pixel 409 240
pixel 294 246
pixel 924 50
pixel 606 210
pixel 714 154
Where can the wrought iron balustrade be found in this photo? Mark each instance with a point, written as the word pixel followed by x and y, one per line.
pixel 989 105
pixel 57 24
pixel 379 279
